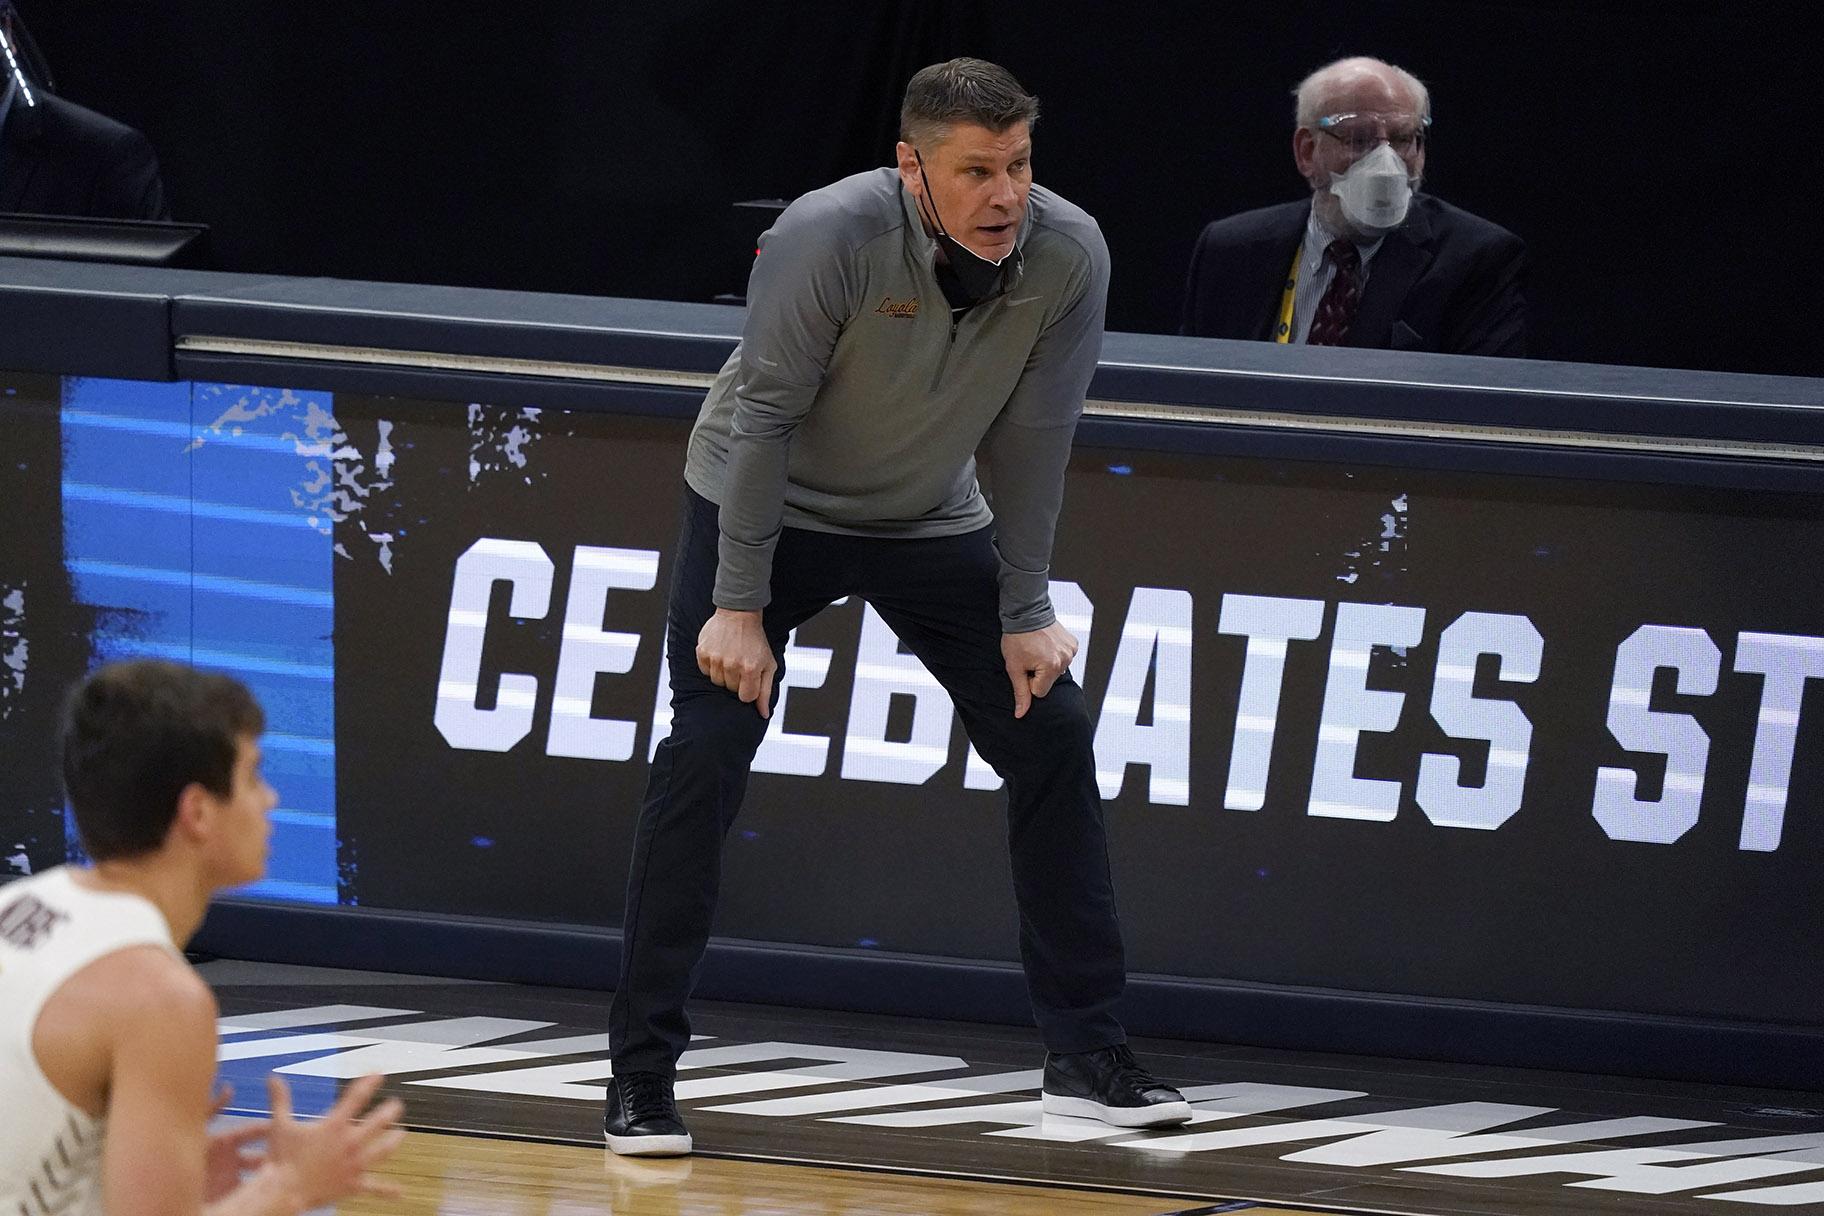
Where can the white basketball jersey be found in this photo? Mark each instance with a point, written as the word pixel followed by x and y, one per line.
pixel 51 928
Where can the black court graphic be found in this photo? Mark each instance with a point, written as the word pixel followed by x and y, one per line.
pixel 1333 1132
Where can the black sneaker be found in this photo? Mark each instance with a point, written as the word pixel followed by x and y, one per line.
pixel 642 1118
pixel 1111 1086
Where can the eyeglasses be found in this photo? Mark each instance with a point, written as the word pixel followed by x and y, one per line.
pixel 1361 132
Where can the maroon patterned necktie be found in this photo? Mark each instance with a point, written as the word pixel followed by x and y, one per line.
pixel 1336 311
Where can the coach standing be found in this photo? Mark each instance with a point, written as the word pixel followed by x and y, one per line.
pixel 897 320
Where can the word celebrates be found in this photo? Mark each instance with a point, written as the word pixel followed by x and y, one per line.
pixel 1145 714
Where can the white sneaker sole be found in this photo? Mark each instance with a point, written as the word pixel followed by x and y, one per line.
pixel 649 1146
pixel 1165 1114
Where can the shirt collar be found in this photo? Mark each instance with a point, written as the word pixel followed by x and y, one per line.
pixel 1318 236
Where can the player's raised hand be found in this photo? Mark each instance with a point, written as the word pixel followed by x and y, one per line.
pixel 330 1158
pixel 228 1157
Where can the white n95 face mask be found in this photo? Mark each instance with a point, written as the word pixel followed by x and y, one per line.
pixel 1375 192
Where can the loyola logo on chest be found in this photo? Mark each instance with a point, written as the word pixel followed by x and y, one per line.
pixel 904 308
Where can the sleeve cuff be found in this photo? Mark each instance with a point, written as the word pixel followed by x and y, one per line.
pixel 1025 600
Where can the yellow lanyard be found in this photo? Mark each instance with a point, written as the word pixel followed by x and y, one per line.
pixel 1283 331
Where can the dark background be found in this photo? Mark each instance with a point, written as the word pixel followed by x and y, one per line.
pixel 1659 160
pixel 53 627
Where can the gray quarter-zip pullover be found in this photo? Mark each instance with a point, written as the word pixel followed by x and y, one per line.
pixel 853 403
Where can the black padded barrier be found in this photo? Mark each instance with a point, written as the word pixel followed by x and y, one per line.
pixel 1689 446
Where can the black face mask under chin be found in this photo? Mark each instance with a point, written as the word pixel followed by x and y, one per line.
pixel 979 277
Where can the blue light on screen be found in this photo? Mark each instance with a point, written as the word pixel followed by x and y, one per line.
pixel 182 536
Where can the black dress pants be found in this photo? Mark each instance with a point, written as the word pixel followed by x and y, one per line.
pixel 940 595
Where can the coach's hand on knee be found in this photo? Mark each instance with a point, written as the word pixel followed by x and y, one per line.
pixel 733 652
pixel 1035 661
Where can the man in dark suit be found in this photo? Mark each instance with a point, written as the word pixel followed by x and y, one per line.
pixel 57 158
pixel 1365 261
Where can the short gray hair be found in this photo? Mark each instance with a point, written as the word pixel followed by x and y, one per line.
pixel 963 91
pixel 1310 90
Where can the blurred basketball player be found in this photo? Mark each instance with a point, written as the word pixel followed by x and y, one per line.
pixel 107 1035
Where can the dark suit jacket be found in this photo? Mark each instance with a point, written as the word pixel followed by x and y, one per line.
pixel 1444 280
pixel 57 158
